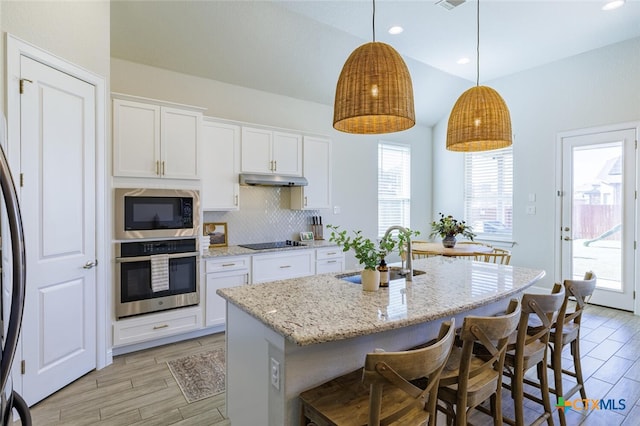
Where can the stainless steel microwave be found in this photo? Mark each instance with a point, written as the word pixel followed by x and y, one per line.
pixel 156 213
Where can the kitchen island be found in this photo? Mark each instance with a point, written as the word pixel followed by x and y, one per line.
pixel 284 337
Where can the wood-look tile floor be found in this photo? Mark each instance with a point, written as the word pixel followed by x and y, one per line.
pixel 138 388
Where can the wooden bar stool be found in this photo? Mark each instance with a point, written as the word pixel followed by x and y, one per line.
pixel 566 331
pixel 469 379
pixel 381 392
pixel 528 348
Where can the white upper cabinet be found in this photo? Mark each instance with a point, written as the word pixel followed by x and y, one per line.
pixel 266 151
pixel 155 140
pixel 220 165
pixel 316 167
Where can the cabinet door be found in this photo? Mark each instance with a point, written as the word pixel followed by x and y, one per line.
pixel 136 139
pixel 179 143
pixel 216 306
pixel 330 265
pixel 280 266
pixel 287 154
pixel 220 165
pixel 256 150
pixel 316 167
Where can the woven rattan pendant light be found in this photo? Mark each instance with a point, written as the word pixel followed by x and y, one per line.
pixel 480 119
pixel 374 93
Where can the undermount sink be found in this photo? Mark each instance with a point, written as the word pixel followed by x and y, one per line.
pixel 394 274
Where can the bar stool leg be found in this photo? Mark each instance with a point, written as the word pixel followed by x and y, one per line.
pixel 517 393
pixel 575 351
pixel 556 364
pixel 544 389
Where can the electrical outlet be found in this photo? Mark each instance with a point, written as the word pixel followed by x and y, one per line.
pixel 275 374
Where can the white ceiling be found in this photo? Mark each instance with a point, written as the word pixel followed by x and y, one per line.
pixel 297 48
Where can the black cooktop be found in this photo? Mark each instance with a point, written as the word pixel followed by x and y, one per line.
pixel 272 245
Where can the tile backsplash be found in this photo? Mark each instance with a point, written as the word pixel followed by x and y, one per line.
pixel 264 216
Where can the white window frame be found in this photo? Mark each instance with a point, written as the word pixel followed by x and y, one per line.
pixel 488 194
pixel 399 185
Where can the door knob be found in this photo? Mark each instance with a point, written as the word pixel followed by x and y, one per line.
pixel 566 228
pixel 90 264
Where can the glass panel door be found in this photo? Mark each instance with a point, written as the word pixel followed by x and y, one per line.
pixel 598 227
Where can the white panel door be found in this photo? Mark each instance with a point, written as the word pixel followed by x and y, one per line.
pixel 58 205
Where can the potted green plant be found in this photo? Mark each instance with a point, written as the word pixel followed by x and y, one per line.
pixel 448 227
pixel 366 251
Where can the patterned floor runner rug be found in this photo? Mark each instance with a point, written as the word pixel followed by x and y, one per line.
pixel 201 375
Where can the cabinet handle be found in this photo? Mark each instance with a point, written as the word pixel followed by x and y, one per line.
pixel 235 202
pixel 163 168
pixel 158 168
pixel 271 165
pixel 285 266
pixel 158 327
pixel 275 165
pixel 331 253
pixel 331 261
pixel 305 201
pixel 224 265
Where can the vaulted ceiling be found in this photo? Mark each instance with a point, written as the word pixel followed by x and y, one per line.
pixel 297 48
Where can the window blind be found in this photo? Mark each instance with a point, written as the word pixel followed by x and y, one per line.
pixel 488 193
pixel 394 186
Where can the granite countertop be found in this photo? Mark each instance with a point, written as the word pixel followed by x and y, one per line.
pixel 323 308
pixel 239 251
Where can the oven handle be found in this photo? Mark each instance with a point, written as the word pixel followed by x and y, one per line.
pixel 145 258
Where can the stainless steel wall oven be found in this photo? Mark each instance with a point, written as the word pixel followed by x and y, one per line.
pixel 156 275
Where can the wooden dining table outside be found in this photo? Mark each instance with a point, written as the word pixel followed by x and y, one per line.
pixel 457 250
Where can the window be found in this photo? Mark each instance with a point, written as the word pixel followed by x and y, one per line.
pixel 394 186
pixel 488 194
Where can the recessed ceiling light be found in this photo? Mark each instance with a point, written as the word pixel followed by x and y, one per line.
pixel 396 29
pixel 463 61
pixel 613 5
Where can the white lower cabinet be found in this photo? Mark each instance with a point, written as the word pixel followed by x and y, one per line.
pixel 283 265
pixel 329 259
pixel 223 273
pixel 155 326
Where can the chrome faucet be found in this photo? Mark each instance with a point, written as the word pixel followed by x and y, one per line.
pixel 409 276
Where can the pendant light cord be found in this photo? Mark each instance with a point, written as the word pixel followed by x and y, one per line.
pixel 478 44
pixel 373 21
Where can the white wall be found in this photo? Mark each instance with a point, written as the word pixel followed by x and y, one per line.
pixel 354 156
pixel 592 89
pixel 79 32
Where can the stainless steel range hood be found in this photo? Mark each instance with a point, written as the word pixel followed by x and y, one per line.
pixel 256 179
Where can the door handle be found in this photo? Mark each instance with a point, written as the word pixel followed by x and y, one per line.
pixel 90 264
pixel 567 238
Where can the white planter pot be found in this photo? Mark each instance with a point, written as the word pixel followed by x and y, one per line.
pixel 370 279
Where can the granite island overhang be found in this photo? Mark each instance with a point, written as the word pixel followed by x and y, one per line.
pixel 287 336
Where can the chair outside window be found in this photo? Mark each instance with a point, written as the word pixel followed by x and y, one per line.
pixel 381 392
pixel 566 331
pixel 528 348
pixel 469 379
